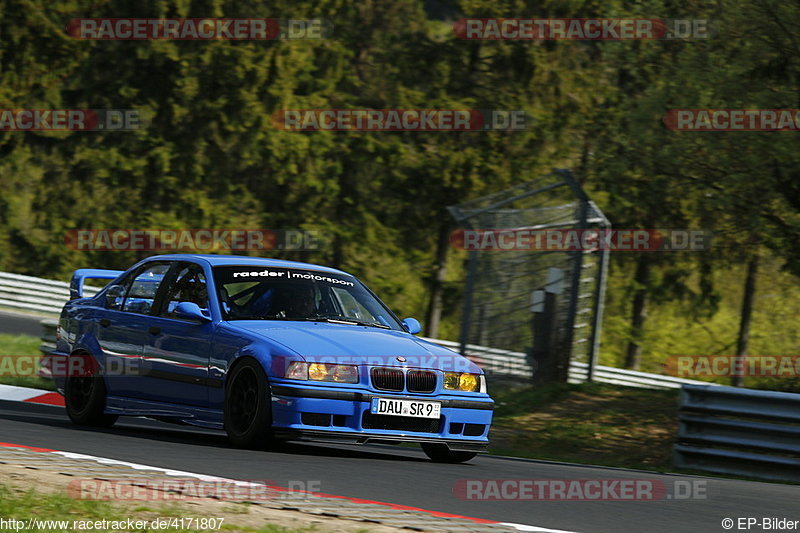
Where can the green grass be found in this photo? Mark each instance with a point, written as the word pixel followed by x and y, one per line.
pixel 524 400
pixel 32 504
pixel 12 345
pixel 587 423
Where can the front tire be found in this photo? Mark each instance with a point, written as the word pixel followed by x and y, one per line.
pixel 248 407
pixel 440 453
pixel 85 396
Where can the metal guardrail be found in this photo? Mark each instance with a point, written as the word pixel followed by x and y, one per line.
pixel 49 326
pixel 29 293
pixel 517 364
pixel 492 360
pixel 745 432
pixel 629 378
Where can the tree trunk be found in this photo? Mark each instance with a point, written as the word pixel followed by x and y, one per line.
pixel 633 357
pixel 434 315
pixel 747 313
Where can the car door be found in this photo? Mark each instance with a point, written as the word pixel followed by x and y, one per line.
pixel 122 327
pixel 177 351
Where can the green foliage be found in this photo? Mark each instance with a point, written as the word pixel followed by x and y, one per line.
pixel 211 155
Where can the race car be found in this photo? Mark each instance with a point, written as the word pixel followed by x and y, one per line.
pixel 268 350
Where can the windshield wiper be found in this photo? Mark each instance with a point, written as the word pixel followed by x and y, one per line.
pixel 332 320
pixel 345 320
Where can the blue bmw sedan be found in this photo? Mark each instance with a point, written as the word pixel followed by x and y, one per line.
pixel 267 350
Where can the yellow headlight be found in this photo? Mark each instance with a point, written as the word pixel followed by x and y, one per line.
pixel 463 382
pixel 468 382
pixel 331 372
pixel 451 380
pixel 317 371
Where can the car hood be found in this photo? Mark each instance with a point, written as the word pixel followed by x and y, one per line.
pixel 348 344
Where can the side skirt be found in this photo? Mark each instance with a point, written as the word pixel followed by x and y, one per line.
pixel 167 412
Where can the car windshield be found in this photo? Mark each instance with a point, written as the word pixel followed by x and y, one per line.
pixel 267 293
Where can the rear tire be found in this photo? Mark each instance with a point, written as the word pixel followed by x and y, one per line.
pixel 248 407
pixel 85 396
pixel 440 453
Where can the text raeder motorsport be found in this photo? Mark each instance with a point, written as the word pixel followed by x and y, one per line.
pixel 288 274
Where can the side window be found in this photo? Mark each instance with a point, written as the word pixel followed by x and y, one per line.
pixel 115 294
pixel 189 285
pixel 234 297
pixel 144 288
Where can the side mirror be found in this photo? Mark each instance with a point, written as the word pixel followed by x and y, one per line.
pixel 190 311
pixel 114 297
pixel 412 325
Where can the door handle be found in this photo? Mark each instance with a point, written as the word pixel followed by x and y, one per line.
pixel 154 330
pixel 105 322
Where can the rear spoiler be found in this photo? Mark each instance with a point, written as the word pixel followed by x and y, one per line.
pixel 76 283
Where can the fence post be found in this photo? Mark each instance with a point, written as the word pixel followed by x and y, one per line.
pixel 466 313
pixel 599 299
pixel 544 357
pixel 577 269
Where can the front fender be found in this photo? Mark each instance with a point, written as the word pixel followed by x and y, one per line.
pixel 231 345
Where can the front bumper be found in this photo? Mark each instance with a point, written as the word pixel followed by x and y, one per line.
pixel 341 415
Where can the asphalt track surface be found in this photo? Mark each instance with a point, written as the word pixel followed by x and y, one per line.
pixel 397 475
pixel 402 475
pixel 19 323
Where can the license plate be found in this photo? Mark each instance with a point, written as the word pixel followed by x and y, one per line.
pixel 415 408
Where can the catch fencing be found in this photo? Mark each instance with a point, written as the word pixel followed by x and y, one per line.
pixel 549 302
pixel 729 430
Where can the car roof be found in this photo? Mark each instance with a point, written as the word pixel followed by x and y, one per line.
pixel 243 260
